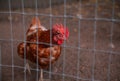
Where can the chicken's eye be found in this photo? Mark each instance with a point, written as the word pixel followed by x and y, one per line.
pixel 58 32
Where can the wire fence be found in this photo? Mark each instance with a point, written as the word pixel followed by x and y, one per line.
pixel 63 73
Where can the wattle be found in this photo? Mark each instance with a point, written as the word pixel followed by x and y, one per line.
pixel 60 42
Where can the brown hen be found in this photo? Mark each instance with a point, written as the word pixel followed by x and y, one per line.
pixel 43 45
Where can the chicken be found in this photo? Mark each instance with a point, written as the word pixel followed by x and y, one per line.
pixel 43 45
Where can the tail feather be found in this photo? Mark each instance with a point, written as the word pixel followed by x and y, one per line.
pixel 36 21
pixel 34 25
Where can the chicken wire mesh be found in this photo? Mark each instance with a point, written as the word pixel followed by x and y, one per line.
pixel 92 52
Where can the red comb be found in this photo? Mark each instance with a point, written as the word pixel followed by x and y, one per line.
pixel 60 26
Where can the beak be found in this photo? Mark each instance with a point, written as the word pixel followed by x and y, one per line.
pixel 64 37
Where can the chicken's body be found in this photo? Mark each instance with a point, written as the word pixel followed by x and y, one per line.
pixel 45 52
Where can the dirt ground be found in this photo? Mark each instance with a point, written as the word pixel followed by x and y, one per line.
pixel 78 61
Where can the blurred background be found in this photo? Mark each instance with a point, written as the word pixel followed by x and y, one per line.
pixel 92 52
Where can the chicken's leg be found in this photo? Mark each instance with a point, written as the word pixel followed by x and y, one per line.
pixel 41 75
pixel 27 67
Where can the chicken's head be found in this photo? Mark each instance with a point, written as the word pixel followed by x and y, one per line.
pixel 60 33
